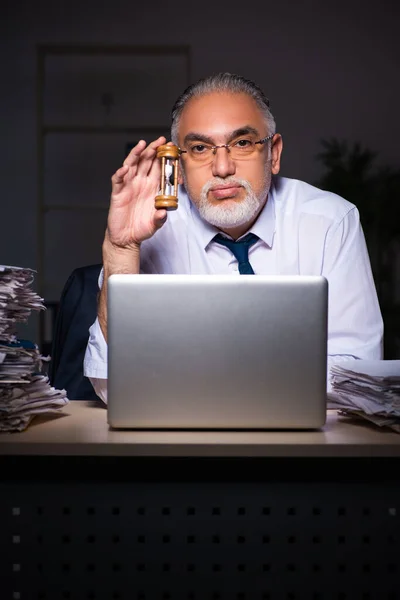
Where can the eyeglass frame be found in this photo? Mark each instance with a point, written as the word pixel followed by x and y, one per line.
pixel 228 146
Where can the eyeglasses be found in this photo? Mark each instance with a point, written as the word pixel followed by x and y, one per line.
pixel 239 149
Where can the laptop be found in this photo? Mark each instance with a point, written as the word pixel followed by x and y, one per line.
pixel 217 352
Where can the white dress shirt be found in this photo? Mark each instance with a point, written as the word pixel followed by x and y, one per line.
pixel 302 230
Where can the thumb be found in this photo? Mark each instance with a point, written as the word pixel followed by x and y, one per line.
pixel 160 218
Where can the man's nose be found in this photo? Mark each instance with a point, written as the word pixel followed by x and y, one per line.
pixel 223 165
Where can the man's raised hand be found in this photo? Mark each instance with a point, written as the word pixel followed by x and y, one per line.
pixel 132 217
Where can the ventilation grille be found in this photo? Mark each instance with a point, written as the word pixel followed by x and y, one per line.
pixel 199 541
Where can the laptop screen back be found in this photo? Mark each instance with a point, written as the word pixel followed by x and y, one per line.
pixel 220 352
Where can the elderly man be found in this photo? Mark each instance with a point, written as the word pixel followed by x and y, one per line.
pixel 230 188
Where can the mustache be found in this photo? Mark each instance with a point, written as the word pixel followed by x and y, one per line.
pixel 234 181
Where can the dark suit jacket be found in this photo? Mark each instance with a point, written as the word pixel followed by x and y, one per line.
pixel 77 312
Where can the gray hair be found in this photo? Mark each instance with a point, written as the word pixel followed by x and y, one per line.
pixel 222 82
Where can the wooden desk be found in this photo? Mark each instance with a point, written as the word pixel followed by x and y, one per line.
pixel 82 430
pixel 93 513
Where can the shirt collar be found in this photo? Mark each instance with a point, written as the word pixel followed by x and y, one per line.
pixel 264 227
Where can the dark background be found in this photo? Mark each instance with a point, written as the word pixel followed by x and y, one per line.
pixel 330 69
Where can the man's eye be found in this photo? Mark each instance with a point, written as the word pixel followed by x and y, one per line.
pixel 199 149
pixel 243 143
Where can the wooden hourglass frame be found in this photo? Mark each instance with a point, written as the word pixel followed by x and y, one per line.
pixel 168 196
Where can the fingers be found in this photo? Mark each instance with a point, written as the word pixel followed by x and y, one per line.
pixel 160 217
pixel 154 169
pixel 140 151
pixel 140 158
pixel 118 179
pixel 134 154
pixel 139 155
pixel 147 158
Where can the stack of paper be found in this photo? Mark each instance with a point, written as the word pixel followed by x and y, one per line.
pixel 17 299
pixel 24 390
pixel 368 388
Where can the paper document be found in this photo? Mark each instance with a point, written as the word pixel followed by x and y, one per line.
pixel 24 390
pixel 368 389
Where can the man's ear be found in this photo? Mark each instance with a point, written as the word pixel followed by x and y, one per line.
pixel 276 151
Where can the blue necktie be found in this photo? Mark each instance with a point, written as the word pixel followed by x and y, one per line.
pixel 240 249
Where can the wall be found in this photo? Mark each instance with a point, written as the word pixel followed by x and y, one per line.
pixel 329 68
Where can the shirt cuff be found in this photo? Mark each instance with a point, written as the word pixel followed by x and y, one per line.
pixel 96 355
pixel 100 387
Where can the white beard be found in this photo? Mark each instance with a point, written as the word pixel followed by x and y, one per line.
pixel 236 213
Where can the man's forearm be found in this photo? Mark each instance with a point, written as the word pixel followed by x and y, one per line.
pixel 115 260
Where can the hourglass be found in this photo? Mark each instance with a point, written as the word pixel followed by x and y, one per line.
pixel 168 196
